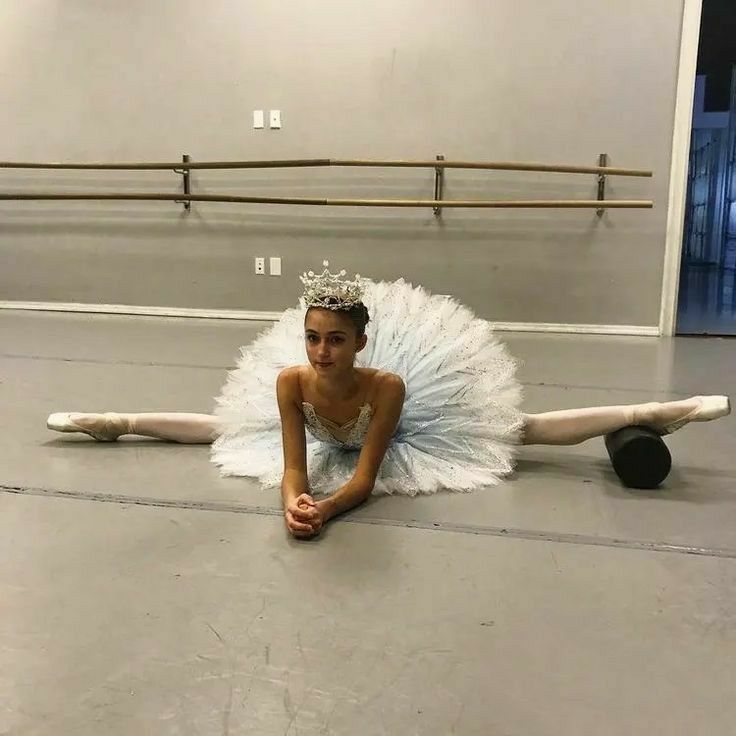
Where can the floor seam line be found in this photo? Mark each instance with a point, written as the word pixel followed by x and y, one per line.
pixel 446 527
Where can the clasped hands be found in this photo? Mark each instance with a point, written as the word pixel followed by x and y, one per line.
pixel 304 516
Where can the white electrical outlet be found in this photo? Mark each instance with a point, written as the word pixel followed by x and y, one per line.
pixel 260 266
pixel 275 266
pixel 275 119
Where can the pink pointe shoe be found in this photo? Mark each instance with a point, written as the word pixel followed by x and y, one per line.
pixel 102 427
pixel 706 409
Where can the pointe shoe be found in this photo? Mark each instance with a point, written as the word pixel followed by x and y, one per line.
pixel 708 408
pixel 107 427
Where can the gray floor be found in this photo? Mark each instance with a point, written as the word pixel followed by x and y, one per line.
pixel 143 594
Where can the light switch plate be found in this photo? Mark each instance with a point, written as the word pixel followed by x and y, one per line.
pixel 275 119
pixel 257 118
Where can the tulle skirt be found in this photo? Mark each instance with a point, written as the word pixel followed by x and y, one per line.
pixel 460 424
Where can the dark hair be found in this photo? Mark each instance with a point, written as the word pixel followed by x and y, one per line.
pixel 358 314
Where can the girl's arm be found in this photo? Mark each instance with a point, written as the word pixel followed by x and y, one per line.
pixel 298 504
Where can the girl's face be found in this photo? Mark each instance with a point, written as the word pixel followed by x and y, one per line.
pixel 331 341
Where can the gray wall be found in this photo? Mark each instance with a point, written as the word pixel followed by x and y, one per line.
pixel 532 80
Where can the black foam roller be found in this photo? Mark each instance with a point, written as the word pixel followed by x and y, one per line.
pixel 639 456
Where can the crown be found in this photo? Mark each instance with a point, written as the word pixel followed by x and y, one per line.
pixel 328 291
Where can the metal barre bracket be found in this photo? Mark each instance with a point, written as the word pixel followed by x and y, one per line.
pixel 602 161
pixel 439 185
pixel 185 182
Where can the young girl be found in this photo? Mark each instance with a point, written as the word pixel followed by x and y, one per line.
pixel 429 401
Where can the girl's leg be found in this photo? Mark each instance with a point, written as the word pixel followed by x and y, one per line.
pixel 572 426
pixel 173 426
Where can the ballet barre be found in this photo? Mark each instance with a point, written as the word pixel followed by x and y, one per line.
pixel 438 203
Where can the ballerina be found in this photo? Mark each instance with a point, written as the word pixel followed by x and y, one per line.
pixel 429 400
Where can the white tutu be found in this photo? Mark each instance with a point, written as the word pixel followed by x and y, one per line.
pixel 460 423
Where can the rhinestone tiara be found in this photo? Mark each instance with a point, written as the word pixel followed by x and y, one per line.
pixel 329 291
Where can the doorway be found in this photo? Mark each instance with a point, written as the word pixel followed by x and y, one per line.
pixel 707 279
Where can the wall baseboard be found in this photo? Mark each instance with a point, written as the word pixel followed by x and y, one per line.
pixel 636 330
pixel 257 316
pixel 142 311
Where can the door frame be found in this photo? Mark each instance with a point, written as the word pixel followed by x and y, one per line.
pixel 684 98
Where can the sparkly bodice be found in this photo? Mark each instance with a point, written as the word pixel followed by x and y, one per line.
pixel 350 435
